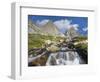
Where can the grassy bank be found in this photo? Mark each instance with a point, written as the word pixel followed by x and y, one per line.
pixel 38 41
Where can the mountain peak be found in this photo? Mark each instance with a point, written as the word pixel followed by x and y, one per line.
pixel 49 29
pixel 32 28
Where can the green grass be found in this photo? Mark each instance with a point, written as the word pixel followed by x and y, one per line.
pixel 37 40
pixel 80 38
pixel 82 46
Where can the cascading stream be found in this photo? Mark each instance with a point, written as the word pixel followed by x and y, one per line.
pixel 64 58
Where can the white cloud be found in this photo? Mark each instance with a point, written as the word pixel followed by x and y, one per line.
pixel 85 29
pixel 43 22
pixel 75 26
pixel 65 24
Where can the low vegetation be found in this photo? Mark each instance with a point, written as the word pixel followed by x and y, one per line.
pixel 38 41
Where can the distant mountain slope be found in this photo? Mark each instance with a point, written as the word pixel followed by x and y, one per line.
pixel 48 29
pixel 32 28
pixel 51 29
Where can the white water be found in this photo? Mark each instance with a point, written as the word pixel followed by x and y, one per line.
pixel 63 58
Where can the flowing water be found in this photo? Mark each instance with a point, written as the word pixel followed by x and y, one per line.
pixel 64 58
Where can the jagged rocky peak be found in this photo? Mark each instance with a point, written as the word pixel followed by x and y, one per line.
pixel 50 28
pixel 71 33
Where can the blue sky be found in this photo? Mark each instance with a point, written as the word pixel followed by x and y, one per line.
pixel 63 22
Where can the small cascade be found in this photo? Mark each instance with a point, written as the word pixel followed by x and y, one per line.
pixel 63 58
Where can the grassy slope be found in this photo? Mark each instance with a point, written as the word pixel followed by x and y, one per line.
pixel 37 40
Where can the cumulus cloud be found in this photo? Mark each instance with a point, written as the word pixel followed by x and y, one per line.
pixel 85 29
pixel 75 26
pixel 61 24
pixel 42 22
pixel 65 24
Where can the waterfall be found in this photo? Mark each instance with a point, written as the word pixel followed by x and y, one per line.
pixel 63 58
